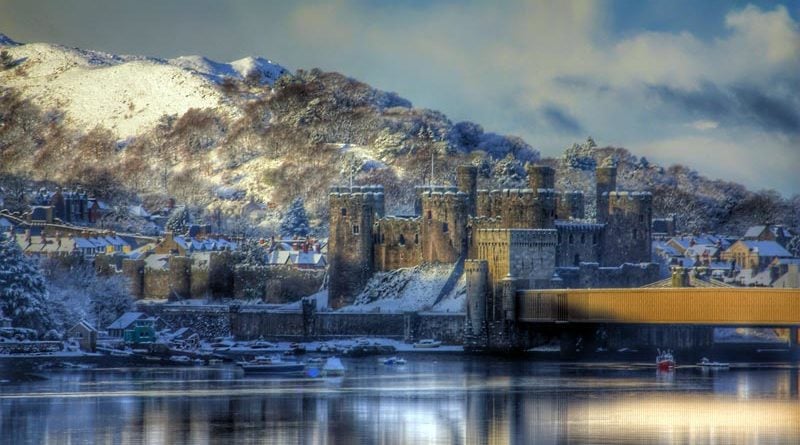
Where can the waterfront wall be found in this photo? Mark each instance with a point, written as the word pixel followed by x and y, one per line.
pixel 248 323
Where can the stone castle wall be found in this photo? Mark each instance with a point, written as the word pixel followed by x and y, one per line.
pixel 397 243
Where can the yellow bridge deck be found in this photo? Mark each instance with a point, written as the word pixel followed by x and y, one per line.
pixel 706 306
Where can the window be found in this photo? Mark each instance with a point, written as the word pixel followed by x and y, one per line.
pixel 401 240
pixel 571 238
pixel 594 238
pixel 344 211
pixel 444 228
pixel 635 234
pixel 577 261
pixel 416 238
pixel 430 214
pixel 583 238
pixel 355 229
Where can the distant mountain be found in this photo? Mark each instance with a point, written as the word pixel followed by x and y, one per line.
pixel 226 138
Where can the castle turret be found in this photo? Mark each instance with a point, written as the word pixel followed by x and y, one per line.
pixel 541 177
pixel 476 272
pixel 443 227
pixel 467 182
pixel 353 211
pixel 570 205
pixel 606 177
pixel 509 292
pixel 180 283
pixel 628 225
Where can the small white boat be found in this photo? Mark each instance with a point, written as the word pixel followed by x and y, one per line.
pixel 272 366
pixel 394 361
pixel 214 361
pixel 333 367
pixel 180 360
pixel 427 343
pixel 708 364
pixel 315 360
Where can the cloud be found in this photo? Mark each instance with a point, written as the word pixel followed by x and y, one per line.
pixel 561 120
pixel 703 125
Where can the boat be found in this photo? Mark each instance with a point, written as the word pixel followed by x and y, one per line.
pixel 268 365
pixel 214 361
pixel 427 343
pixel 333 367
pixel 665 361
pixel 315 360
pixel 182 360
pixel 706 364
pixel 394 361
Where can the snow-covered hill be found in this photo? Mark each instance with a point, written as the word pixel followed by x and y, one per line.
pixel 126 94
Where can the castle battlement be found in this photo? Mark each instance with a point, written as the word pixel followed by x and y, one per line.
pixel 573 226
pixel 356 189
pixel 629 195
pixel 476 266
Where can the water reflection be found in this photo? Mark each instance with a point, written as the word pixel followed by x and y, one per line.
pixel 431 400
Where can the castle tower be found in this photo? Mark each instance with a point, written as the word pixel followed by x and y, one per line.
pixel 443 226
pixel 509 292
pixel 541 177
pixel 134 271
pixel 570 205
pixel 627 236
pixel 606 178
pixel 467 182
pixel 477 290
pixel 353 211
pixel 180 283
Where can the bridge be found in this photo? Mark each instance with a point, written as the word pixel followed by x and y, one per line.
pixel 686 306
pixel 674 317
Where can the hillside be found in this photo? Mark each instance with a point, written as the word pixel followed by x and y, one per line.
pixel 217 136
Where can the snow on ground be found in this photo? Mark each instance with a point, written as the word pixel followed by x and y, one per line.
pixel 126 94
pixel 410 289
pixel 455 300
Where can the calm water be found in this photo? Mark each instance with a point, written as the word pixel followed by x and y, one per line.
pixel 432 399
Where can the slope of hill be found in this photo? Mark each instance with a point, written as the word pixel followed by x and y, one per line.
pixel 217 136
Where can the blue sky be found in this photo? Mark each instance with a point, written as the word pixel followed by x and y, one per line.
pixel 711 84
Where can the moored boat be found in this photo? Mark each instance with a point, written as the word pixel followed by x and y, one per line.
pixel 427 343
pixel 709 365
pixel 271 366
pixel 665 361
pixel 394 361
pixel 333 367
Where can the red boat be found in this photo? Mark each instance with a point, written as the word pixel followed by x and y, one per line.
pixel 665 361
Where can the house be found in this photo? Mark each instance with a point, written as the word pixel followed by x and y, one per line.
pixel 767 232
pixel 754 255
pixel 85 334
pixel 128 321
pixel 97 209
pixel 125 321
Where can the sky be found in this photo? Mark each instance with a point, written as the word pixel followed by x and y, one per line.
pixel 711 84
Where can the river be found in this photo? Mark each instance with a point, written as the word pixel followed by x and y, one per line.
pixel 436 399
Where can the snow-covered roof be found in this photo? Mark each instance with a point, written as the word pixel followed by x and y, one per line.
pixel 138 211
pixel 701 250
pixel 767 248
pixel 86 325
pixel 5 223
pixel 754 231
pixel 125 320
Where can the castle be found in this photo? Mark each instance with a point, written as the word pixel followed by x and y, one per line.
pixel 509 239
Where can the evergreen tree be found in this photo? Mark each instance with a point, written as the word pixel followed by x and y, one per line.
pixel 295 220
pixel 6 60
pixel 179 221
pixel 23 295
